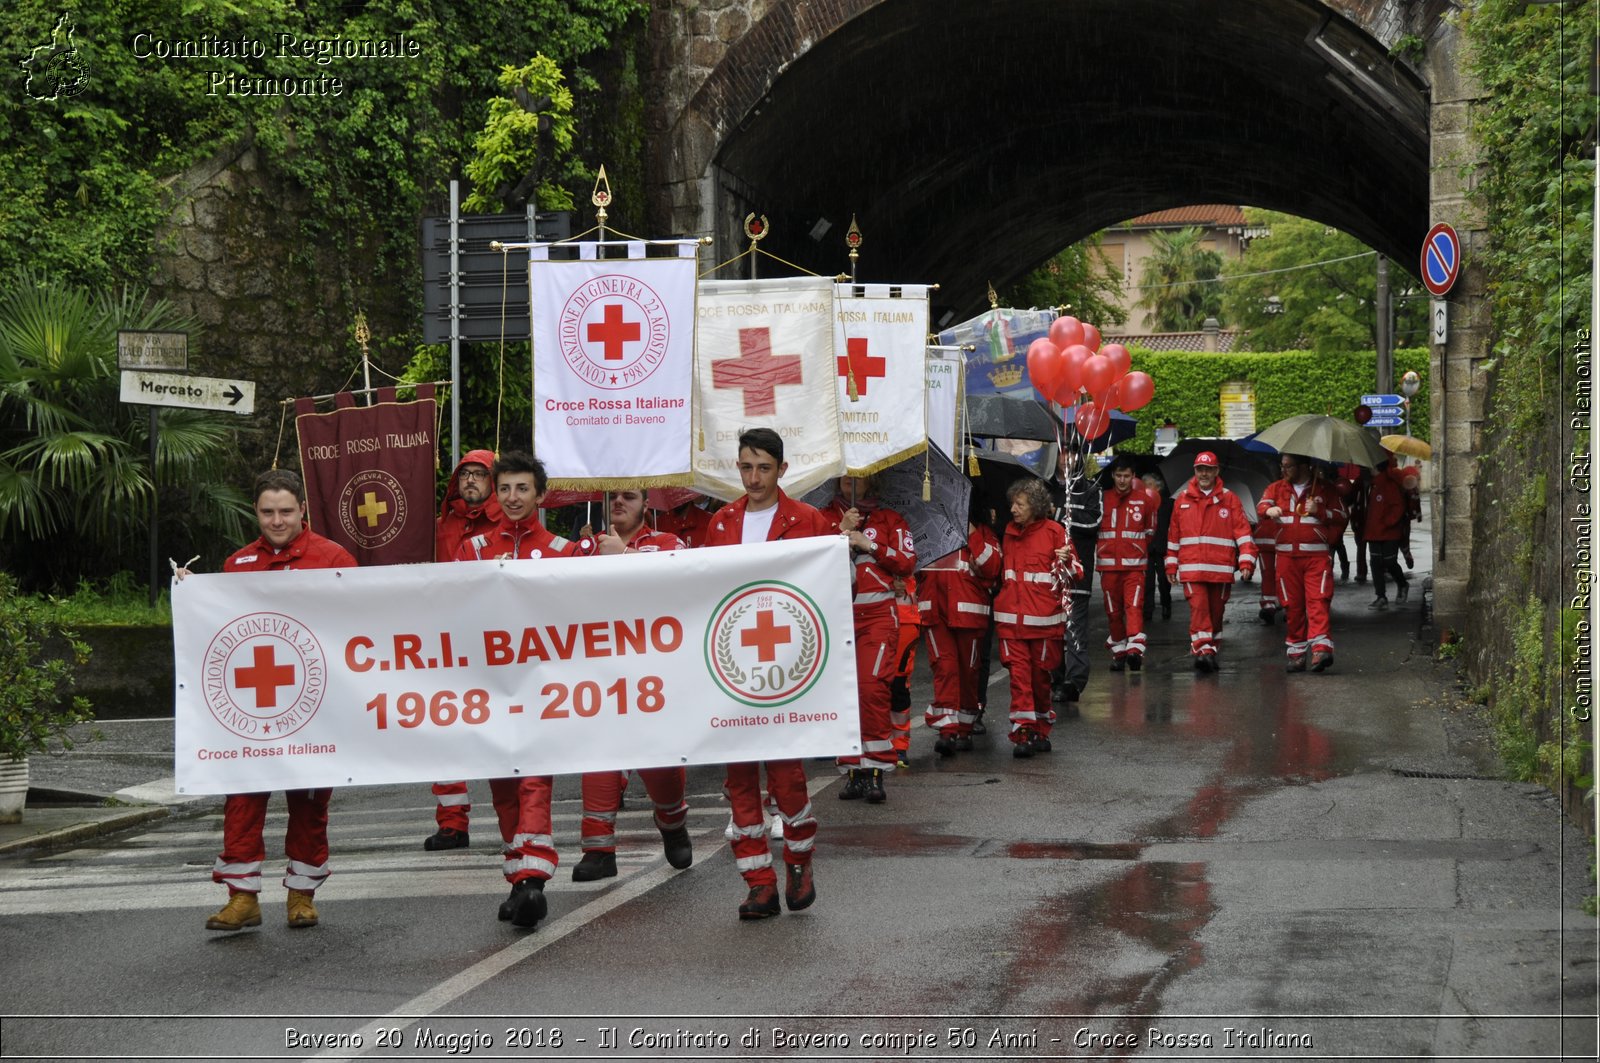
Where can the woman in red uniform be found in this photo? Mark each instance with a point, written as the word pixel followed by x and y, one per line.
pixel 954 599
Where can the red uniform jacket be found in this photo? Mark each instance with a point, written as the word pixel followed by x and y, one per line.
pixel 647 540
pixel 1127 521
pixel 306 550
pixel 1209 537
pixel 1298 531
pixel 521 540
pixel 794 520
pixel 875 571
pixel 1029 603
pixel 690 523
pixel 1386 507
pixel 954 591
pixel 459 521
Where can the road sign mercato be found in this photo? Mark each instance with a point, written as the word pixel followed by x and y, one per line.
pixel 189 392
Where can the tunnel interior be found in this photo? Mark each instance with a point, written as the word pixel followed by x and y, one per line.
pixel 973 141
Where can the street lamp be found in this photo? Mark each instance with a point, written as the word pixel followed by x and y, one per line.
pixel 1410 384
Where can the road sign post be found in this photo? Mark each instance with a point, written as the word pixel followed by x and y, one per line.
pixel 161 352
pixel 189 392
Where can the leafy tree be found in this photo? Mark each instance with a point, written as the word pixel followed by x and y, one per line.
pixel 1079 278
pixel 525 149
pixel 1178 280
pixel 75 478
pixel 1305 285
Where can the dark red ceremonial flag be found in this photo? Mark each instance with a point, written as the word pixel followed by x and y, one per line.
pixel 369 473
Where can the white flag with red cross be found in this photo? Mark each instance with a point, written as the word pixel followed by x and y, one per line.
pixel 765 359
pixel 879 338
pixel 613 364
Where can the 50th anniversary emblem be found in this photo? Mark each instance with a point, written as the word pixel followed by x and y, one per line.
pixel 766 644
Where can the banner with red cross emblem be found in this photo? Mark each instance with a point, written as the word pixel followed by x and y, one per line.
pixel 765 359
pixel 879 338
pixel 369 473
pixel 613 364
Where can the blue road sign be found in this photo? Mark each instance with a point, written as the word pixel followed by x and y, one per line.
pixel 1441 259
pixel 1387 411
pixel 1381 400
pixel 1386 421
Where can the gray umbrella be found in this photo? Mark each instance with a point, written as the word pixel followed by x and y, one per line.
pixel 1002 417
pixel 938 526
pixel 1328 438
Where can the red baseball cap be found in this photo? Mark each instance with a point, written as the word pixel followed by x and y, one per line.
pixel 1206 458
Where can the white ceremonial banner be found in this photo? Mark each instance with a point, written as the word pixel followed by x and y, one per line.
pixel 880 333
pixel 484 669
pixel 945 377
pixel 766 360
pixel 613 366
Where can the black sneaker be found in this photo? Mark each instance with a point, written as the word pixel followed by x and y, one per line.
pixel 945 747
pixel 1267 615
pixel 1117 664
pixel 1379 602
pixel 508 907
pixel 446 838
pixel 1135 662
pixel 874 792
pixel 1023 747
pixel 798 889
pixel 529 904
pixel 963 744
pixel 1040 744
pixel 761 903
pixel 1059 691
pixel 595 866
pixel 678 848
pixel 1200 663
pixel 855 785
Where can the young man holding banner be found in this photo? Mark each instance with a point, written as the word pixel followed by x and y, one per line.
pixel 285 544
pixel 764 514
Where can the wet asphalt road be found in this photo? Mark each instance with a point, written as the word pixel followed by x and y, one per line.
pixel 1250 865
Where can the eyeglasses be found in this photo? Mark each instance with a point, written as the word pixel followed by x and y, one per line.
pixel 474 474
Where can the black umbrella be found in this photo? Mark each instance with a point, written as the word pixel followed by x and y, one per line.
pixel 939 525
pixel 997 471
pixel 1142 464
pixel 1228 451
pixel 1002 417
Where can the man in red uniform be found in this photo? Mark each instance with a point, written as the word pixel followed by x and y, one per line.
pixel 522 805
pixel 1387 527
pixel 1030 612
pixel 764 514
pixel 954 600
pixel 1309 519
pixel 1127 521
pixel 469 508
pixel 602 790
pixel 1209 539
pixel 688 522
pixel 881 550
pixel 285 544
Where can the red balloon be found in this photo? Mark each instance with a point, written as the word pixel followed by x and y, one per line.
pixel 1098 375
pixel 1044 366
pixel 1072 360
pixel 1091 337
pixel 1091 420
pixel 1066 331
pixel 1119 358
pixel 1136 390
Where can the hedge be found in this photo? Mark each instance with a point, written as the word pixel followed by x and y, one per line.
pixel 1188 388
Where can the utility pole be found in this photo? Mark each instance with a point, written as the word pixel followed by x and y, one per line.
pixel 1385 332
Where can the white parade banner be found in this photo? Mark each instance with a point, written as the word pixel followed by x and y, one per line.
pixel 613 366
pixel 766 360
pixel 880 334
pixel 946 375
pixel 485 669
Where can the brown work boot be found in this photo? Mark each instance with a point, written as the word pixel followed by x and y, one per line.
pixel 761 903
pixel 301 911
pixel 799 891
pixel 242 910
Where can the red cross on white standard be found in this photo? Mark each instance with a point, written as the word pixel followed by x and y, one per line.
pixel 612 331
pixel 264 676
pixel 757 371
pixel 864 367
pixel 765 636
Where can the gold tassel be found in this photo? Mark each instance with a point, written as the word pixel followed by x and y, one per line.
pixel 927 486
pixel 702 437
pixel 972 462
pixel 850 386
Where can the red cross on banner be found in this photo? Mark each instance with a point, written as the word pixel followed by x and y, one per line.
pixel 757 371
pixel 612 331
pixel 264 676
pixel 863 366
pixel 766 636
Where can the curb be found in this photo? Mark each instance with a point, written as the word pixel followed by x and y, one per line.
pixel 75 825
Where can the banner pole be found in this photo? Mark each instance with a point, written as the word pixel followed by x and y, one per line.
pixel 455 323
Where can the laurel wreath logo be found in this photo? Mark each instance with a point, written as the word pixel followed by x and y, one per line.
pixel 808 642
pixel 725 660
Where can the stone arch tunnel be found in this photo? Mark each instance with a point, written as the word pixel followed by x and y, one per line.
pixel 974 140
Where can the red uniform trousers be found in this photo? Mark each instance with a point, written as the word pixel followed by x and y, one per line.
pixel 1267 565
pixel 305 842
pixel 602 797
pixel 747 824
pixel 454 806
pixel 953 656
pixel 522 806
pixel 1123 591
pixel 877 644
pixel 1031 661
pixel 900 703
pixel 1306 582
pixel 1205 615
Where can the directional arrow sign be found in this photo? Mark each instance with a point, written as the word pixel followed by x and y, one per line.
pixel 190 392
pixel 1385 422
pixel 1381 400
pixel 1387 411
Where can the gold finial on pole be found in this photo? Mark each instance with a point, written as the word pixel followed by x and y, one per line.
pixel 994 298
pixel 601 198
pixel 755 227
pixel 852 240
pixel 363 334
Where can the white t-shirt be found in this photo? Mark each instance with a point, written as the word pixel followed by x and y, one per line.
pixel 757 524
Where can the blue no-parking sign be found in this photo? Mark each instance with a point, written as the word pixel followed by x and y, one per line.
pixel 1441 259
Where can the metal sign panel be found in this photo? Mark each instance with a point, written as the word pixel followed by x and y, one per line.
pixel 158 351
pixel 1441 259
pixel 1381 400
pixel 189 392
pixel 1388 411
pixel 1385 421
pixel 1441 322
pixel 494 284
